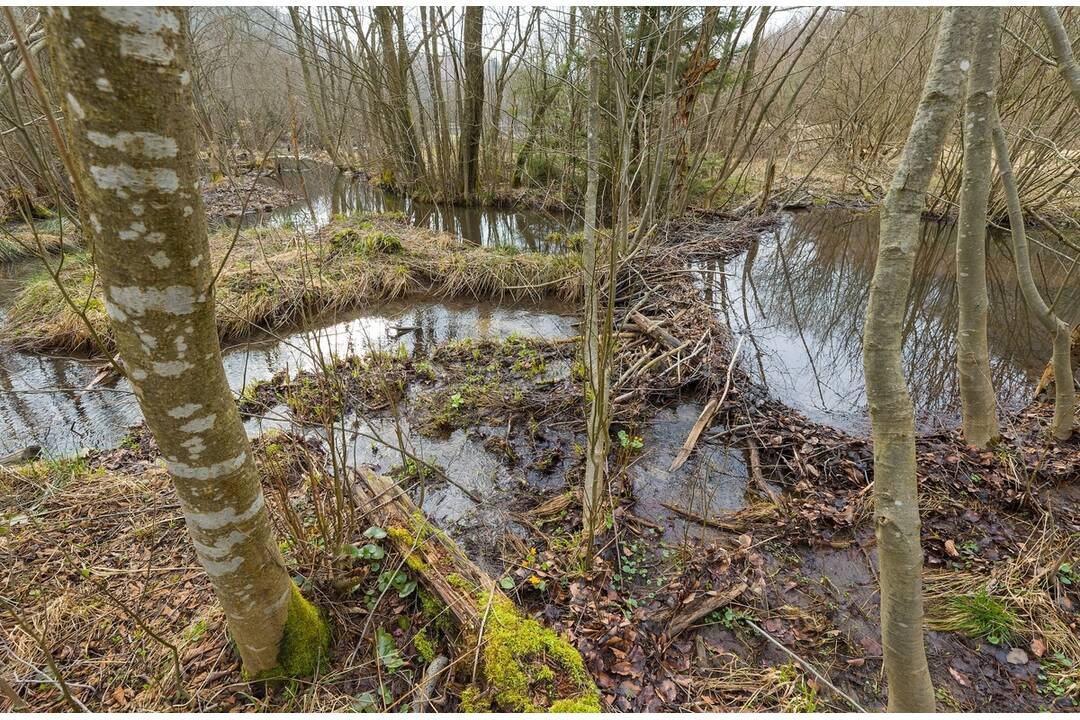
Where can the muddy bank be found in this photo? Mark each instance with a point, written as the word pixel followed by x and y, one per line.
pixel 763 539
pixel 679 612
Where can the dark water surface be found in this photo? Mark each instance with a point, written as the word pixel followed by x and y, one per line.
pixel 333 193
pixel 800 293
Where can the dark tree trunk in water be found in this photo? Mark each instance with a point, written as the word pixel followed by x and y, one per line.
pixel 124 74
pixel 469 144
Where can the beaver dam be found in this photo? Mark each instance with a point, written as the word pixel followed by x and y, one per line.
pixel 554 359
pixel 467 392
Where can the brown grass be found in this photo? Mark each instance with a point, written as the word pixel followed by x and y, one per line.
pixel 276 277
pixel 100 569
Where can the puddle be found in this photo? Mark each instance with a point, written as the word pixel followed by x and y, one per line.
pixel 712 482
pixel 42 401
pixel 335 193
pixel 801 293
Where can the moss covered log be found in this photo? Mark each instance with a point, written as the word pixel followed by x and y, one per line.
pixel 523 666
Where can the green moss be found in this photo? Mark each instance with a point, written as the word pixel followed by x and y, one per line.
pixel 424 646
pixel 305 641
pixel 473 701
pixel 404 538
pixel 434 612
pixel 522 660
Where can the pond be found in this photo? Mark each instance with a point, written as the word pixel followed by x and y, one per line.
pixel 43 400
pixel 800 294
pixel 333 193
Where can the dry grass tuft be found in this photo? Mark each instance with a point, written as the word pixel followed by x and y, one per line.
pixel 1019 600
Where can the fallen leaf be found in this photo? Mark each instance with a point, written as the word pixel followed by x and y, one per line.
pixel 1038 647
pixel 960 677
pixel 1017 656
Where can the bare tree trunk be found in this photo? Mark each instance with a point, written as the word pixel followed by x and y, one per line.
pixel 597 383
pixel 322 124
pixel 469 144
pixel 972 351
pixel 1064 389
pixel 698 68
pixel 1063 49
pixel 892 416
pixel 124 73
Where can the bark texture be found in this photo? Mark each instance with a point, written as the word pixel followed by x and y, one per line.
pixel 972 350
pixel 124 75
pixel 469 145
pixel 1063 50
pixel 595 367
pixel 1064 391
pixel 892 416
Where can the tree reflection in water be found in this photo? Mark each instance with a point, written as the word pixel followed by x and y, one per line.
pixel 801 291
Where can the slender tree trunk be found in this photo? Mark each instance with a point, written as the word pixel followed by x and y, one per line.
pixel 972 351
pixel 1063 49
pixel 471 123
pixel 547 99
pixel 1064 389
pixel 322 125
pixel 892 416
pixel 1069 70
pixel 595 372
pixel 698 68
pixel 124 74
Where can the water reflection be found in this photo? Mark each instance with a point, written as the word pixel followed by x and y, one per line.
pixel 42 401
pixel 802 291
pixel 333 193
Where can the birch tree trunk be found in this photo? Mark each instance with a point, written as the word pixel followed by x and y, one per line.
pixel 1064 389
pixel 977 398
pixel 596 378
pixel 124 74
pixel 892 416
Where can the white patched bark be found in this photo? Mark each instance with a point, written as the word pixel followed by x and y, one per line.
pixel 132 136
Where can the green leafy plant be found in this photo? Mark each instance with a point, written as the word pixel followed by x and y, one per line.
pixel 1068 575
pixel 387 651
pixel 633 443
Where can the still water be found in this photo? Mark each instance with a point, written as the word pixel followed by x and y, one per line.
pixel 333 193
pixel 800 294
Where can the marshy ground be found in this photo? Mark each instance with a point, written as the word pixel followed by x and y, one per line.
pixel 744 579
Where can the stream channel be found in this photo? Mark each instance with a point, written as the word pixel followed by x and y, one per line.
pixel 799 294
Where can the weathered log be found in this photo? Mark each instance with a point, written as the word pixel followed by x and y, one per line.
pixel 654 330
pixel 699 606
pixel 516 664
